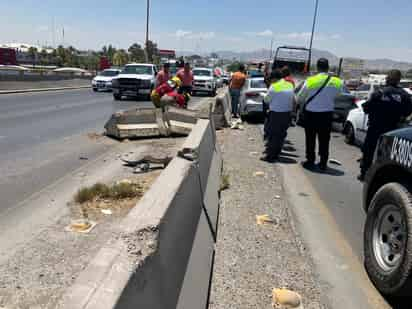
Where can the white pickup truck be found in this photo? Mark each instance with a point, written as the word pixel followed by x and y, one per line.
pixel 136 79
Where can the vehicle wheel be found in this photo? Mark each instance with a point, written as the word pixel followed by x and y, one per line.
pixel 388 240
pixel 243 117
pixel 117 96
pixel 349 132
pixel 95 89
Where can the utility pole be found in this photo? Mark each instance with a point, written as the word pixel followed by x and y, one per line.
pixel 147 31
pixel 313 33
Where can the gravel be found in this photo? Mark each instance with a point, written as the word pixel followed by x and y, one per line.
pixel 253 259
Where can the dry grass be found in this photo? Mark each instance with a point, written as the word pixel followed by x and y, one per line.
pixel 224 182
pixel 100 191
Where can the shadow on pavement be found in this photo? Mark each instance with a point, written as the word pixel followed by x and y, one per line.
pixel 330 171
pixel 285 160
pixel 289 148
pixel 288 154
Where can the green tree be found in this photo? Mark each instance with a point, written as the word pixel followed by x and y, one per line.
pixel 33 54
pixel 120 58
pixel 214 55
pixel 136 53
pixel 233 67
pixel 44 57
pixel 151 50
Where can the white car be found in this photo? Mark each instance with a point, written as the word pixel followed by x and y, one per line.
pixel 136 79
pixel 364 91
pixel 103 80
pixel 204 81
pixel 251 97
pixel 356 125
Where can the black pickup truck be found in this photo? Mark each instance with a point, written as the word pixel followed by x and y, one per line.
pixel 388 203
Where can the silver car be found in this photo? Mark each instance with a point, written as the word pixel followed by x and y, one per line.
pixel 251 97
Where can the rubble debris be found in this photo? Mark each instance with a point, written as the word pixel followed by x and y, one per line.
pixel 81 226
pixel 259 174
pixel 263 219
pixel 286 299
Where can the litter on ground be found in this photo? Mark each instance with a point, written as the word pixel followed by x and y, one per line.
pixel 286 299
pixel 263 219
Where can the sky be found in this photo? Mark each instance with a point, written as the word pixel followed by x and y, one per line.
pixel 357 28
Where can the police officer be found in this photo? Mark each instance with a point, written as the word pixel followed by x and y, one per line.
pixel 386 107
pixel 280 99
pixel 318 96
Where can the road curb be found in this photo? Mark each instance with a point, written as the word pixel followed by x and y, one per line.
pixel 42 89
pixel 342 276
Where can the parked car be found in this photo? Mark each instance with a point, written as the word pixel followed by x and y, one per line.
pixel 255 73
pixel 387 200
pixel 251 97
pixel 136 79
pixel 204 81
pixel 225 79
pixel 363 92
pixel 343 104
pixel 407 85
pixel 353 84
pixel 103 80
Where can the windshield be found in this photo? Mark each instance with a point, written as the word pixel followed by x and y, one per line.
pixel 202 73
pixel 137 69
pixel 108 73
pixel 257 83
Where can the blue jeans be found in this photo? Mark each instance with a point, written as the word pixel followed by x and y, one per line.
pixel 235 94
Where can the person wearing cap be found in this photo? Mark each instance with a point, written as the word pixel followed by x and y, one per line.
pixel 164 75
pixel 385 108
pixel 236 84
pixel 318 96
pixel 280 99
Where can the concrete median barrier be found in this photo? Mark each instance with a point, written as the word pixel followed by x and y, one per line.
pixel 162 255
pixel 135 123
pixel 180 121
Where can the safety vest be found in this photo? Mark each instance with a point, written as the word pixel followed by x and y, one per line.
pixel 315 82
pixel 280 96
pixel 282 85
pixel 325 100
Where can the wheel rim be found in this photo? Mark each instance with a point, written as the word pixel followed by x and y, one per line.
pixel 389 238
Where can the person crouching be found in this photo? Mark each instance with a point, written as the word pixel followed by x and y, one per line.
pixel 280 99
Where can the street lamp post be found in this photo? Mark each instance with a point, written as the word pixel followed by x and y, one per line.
pixel 313 33
pixel 147 31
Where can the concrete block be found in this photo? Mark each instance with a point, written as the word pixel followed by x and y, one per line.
pixel 180 121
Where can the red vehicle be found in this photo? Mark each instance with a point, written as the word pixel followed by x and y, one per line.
pixel 104 63
pixel 8 56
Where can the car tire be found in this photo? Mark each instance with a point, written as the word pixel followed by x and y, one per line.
pixel 388 259
pixel 349 132
pixel 117 96
pixel 244 117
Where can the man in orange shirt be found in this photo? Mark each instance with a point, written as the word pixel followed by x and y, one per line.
pixel 236 84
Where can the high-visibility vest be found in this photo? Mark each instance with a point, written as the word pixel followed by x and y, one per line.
pixel 316 81
pixel 282 85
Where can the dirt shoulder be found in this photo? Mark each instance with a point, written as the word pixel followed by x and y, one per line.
pixel 253 259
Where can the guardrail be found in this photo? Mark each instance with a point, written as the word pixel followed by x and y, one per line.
pixel 162 255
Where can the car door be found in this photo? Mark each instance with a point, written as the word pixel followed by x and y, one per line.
pixel 242 98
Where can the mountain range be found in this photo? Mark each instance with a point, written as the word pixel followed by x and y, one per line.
pixel 264 54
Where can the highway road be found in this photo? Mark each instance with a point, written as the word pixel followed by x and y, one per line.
pixel 43 136
pixel 340 192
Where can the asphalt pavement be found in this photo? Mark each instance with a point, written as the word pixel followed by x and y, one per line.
pixel 339 191
pixel 44 136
